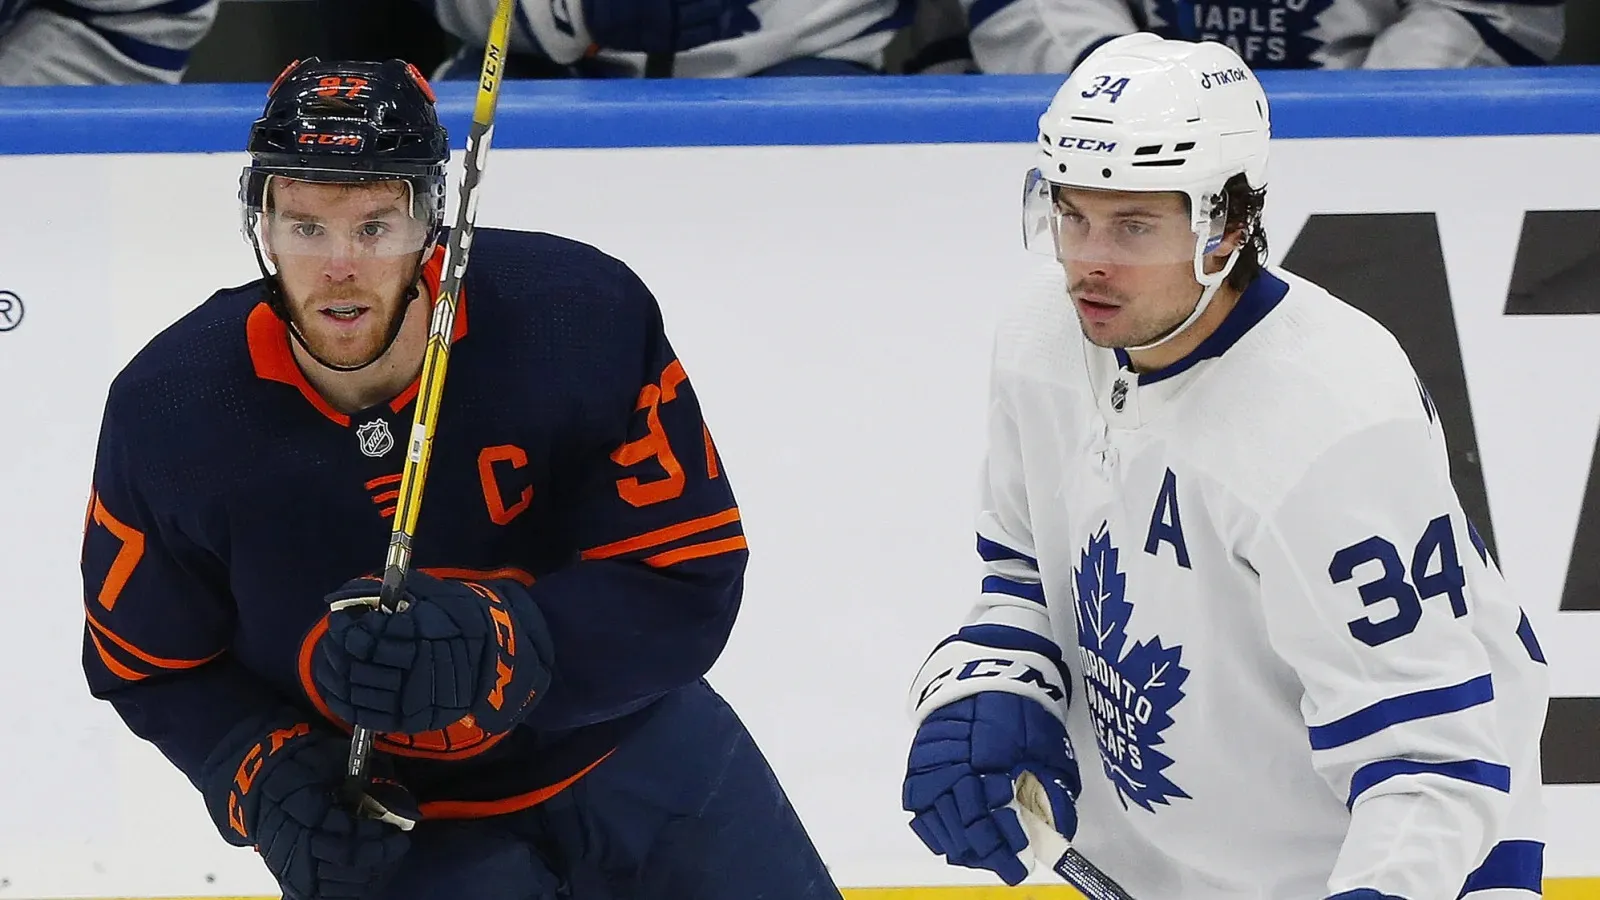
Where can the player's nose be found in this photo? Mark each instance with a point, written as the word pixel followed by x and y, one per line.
pixel 339 267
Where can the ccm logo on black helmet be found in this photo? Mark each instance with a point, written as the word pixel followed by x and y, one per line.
pixel 332 140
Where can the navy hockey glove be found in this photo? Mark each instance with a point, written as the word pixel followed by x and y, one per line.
pixel 565 29
pixel 278 791
pixel 454 649
pixel 959 779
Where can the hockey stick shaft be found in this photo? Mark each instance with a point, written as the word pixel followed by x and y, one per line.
pixel 1049 847
pixel 430 385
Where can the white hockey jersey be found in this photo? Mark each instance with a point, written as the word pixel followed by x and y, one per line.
pixel 100 41
pixel 1018 36
pixel 1295 670
pixel 850 30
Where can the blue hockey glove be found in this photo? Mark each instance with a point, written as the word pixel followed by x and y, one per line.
pixel 278 791
pixel 455 648
pixel 565 29
pixel 959 779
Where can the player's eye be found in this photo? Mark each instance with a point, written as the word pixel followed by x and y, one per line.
pixel 374 229
pixel 1137 229
pixel 306 229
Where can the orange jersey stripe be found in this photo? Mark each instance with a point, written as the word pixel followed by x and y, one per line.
pixel 522 576
pixel 117 668
pixel 478 809
pixel 142 656
pixel 696 551
pixel 386 479
pixel 664 535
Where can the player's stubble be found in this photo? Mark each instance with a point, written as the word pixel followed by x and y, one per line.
pixel 1138 320
pixel 361 341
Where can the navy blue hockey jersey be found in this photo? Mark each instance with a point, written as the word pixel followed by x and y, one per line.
pixel 230 498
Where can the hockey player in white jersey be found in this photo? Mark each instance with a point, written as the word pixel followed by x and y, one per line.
pixel 1012 36
pixel 683 38
pixel 1225 561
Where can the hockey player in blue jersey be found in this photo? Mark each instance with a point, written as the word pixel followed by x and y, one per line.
pixel 540 705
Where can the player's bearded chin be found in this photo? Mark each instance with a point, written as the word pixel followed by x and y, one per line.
pixel 337 343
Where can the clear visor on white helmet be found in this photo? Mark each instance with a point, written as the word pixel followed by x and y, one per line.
pixel 327 215
pixel 1119 228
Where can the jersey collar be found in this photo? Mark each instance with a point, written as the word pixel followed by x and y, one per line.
pixel 1260 298
pixel 270 356
pixel 1128 400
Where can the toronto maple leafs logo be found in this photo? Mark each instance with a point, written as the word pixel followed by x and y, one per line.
pixel 1267 34
pixel 1130 694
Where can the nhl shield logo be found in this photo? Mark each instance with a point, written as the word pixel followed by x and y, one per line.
pixel 376 440
pixel 1119 394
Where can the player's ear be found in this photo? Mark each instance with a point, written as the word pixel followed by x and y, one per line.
pixel 1232 239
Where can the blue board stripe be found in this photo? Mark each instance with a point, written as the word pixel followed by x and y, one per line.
pixel 812 111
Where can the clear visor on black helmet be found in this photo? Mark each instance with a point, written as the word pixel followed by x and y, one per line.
pixel 1117 228
pixel 334 214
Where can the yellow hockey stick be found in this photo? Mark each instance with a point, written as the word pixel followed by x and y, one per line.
pixel 414 474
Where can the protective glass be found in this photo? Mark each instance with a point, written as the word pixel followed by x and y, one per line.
pixel 335 219
pixel 1115 228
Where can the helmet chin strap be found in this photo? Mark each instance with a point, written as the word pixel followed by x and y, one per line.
pixel 1211 283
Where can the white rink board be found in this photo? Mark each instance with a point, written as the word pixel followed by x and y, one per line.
pixel 834 307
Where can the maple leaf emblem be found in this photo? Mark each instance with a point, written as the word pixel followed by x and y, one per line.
pixel 1130 694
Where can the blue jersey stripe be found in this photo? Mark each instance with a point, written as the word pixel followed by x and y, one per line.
pixel 992 551
pixel 1529 642
pixel 1404 708
pixel 1509 50
pixel 1476 771
pixel 1364 894
pixel 995 584
pixel 1518 865
pixel 904 12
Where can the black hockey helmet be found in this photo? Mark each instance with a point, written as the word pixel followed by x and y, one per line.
pixel 346 122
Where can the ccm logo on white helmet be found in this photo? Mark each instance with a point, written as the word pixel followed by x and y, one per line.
pixel 1227 76
pixel 1093 145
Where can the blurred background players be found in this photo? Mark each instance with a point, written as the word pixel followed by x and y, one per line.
pixel 1018 36
pixel 687 38
pixel 99 41
pixel 61 42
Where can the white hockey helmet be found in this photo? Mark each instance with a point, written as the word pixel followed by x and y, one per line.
pixel 1143 113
